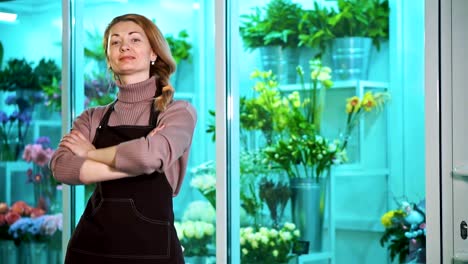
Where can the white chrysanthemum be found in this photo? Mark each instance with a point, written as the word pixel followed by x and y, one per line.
pixel 263 230
pixel 275 253
pixel 189 229
pixel 273 233
pixel 290 226
pixel 297 233
pixel 209 229
pixel 286 236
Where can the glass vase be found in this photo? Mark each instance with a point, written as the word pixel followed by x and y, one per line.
pixel 7 151
pixel 47 193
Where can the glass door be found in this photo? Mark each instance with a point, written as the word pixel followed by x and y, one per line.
pixel 324 124
pixel 30 122
pixel 191 40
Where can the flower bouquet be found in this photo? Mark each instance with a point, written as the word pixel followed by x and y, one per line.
pixel 195 236
pixel 23 223
pixel 405 232
pixel 268 245
pixel 45 185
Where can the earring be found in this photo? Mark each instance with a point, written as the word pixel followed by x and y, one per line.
pixel 152 62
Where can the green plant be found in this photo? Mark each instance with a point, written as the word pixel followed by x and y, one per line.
pixel 361 18
pixel 315 29
pixel 275 24
pixel 46 71
pixel 179 46
pixel 18 74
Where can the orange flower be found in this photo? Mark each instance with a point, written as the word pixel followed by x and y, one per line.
pixel 353 104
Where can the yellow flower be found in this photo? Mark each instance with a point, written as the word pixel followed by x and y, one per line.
pixel 368 102
pixel 353 104
pixel 387 219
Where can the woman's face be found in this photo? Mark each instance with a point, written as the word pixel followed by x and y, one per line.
pixel 129 52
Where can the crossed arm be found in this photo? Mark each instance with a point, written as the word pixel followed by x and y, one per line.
pixel 100 163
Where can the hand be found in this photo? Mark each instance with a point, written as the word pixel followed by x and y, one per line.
pixel 77 143
pixel 154 131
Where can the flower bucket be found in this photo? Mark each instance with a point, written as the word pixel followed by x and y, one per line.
pixel 282 62
pixel 8 254
pixel 308 207
pixel 350 58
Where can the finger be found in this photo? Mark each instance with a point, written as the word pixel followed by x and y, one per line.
pixel 81 136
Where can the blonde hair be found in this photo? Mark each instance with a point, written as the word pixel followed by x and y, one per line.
pixel 164 65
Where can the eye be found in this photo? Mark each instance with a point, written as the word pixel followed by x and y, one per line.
pixel 114 42
pixel 136 40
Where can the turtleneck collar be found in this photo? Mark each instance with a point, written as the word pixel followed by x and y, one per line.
pixel 137 92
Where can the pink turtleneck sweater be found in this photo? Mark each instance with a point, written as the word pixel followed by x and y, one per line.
pixel 166 151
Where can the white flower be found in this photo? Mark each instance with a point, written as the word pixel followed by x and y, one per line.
pixel 189 229
pixel 290 226
pixel 275 253
pixel 286 236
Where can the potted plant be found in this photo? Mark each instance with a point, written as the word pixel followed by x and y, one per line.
pixel 315 30
pixel 180 48
pixel 273 30
pixel 17 75
pixel 361 18
pixel 356 26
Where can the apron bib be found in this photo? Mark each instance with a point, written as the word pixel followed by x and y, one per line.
pixel 129 220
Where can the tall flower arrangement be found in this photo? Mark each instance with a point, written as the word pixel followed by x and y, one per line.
pixel 300 150
pixel 39 154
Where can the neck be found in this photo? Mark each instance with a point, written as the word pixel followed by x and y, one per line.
pixel 126 79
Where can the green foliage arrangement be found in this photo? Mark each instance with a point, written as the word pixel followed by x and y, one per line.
pixel 314 27
pixel 361 18
pixel 180 46
pixel 275 24
pixel 18 74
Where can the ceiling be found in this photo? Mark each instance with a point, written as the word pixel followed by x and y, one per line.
pixel 28 6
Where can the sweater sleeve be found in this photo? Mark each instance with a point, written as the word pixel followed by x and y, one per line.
pixel 164 150
pixel 64 164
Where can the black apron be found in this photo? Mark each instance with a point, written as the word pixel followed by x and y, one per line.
pixel 129 220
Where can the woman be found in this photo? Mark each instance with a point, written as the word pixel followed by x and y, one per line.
pixel 135 150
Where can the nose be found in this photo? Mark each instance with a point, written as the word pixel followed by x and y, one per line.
pixel 124 47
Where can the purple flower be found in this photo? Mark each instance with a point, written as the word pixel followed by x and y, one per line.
pixel 25 117
pixel 38 97
pixel 44 141
pixel 10 100
pixel 14 116
pixel 3 117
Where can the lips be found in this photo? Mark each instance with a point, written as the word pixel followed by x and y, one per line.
pixel 124 58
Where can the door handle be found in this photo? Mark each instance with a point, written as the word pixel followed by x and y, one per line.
pixel 460 258
pixel 461 171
